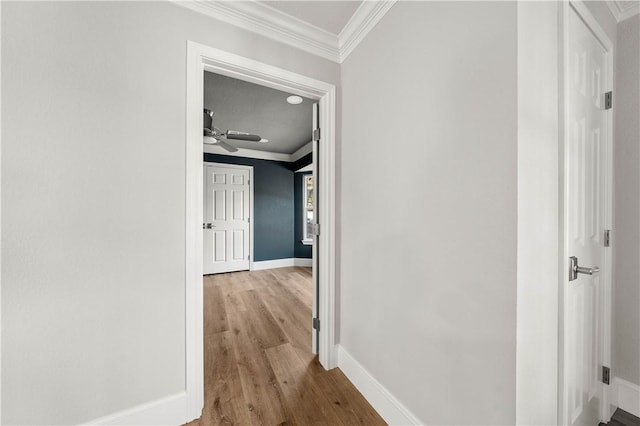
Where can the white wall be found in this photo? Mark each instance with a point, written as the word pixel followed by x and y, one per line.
pixel 538 219
pixel 93 200
pixel 428 276
pixel 626 300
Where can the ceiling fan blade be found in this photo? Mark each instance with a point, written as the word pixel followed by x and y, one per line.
pixel 242 136
pixel 227 146
pixel 211 140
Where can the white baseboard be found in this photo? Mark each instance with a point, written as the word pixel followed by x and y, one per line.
pixel 171 410
pixel 280 263
pixel 626 396
pixel 300 261
pixel 387 405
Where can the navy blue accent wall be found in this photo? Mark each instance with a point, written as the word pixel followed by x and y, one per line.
pixel 273 217
pixel 300 250
pixel 304 161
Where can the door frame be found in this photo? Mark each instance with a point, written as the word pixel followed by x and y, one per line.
pixel 581 9
pixel 200 58
pixel 251 209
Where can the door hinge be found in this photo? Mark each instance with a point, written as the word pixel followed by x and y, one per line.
pixel 607 237
pixel 316 135
pixel 248 220
pixel 249 257
pixel 315 229
pixel 316 324
pixel 608 100
pixel 606 375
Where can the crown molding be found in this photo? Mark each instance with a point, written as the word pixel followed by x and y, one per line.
pixel 623 10
pixel 247 153
pixel 269 22
pixel 305 149
pixel 266 21
pixel 368 14
pixel 261 155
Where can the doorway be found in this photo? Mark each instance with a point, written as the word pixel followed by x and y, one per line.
pixel 199 59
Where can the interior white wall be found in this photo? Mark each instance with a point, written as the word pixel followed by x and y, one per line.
pixel 428 275
pixel 626 242
pixel 538 219
pixel 93 198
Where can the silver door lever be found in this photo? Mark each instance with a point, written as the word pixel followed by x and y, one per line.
pixel 574 269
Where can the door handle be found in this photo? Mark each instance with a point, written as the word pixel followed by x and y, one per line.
pixel 574 269
pixel 208 226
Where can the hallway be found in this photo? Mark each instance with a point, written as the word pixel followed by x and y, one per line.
pixel 258 363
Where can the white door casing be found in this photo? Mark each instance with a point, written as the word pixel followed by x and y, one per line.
pixel 587 200
pixel 314 246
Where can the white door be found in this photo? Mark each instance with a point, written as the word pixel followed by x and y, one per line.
pixel 315 331
pixel 588 157
pixel 226 224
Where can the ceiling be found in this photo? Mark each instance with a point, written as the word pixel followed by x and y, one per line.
pixel 247 107
pixel 329 15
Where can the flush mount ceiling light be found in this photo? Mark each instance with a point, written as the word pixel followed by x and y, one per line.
pixel 294 100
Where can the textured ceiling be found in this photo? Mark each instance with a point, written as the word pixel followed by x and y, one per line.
pixel 247 107
pixel 329 15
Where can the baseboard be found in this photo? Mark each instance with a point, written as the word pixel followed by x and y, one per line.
pixel 171 410
pixel 280 263
pixel 626 396
pixel 300 261
pixel 387 405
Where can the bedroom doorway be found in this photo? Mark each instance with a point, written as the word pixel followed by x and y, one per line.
pixel 201 58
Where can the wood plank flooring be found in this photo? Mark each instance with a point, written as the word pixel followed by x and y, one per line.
pixel 622 418
pixel 259 369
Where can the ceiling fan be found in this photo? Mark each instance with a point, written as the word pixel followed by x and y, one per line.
pixel 215 136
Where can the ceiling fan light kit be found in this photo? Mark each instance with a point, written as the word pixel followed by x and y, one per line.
pixel 214 136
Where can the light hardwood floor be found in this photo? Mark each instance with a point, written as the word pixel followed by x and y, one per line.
pixel 258 363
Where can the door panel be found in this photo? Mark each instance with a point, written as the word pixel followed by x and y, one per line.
pixel 587 153
pixel 226 209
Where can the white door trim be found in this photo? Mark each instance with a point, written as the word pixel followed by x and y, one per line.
pixel 607 268
pixel 251 209
pixel 199 58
